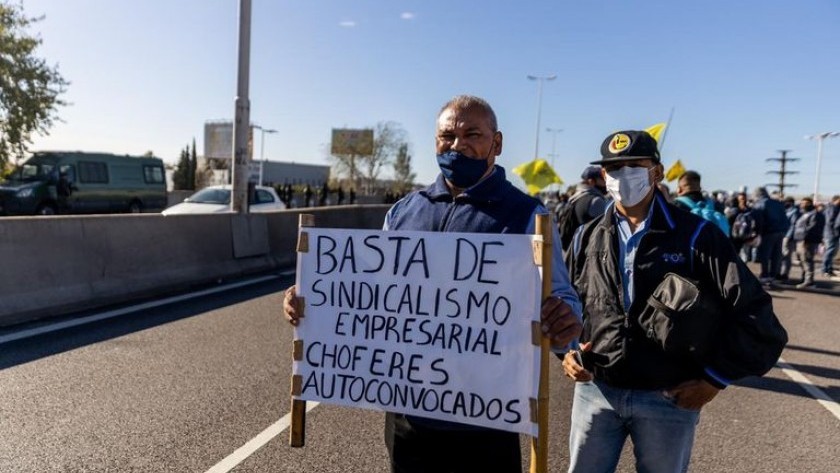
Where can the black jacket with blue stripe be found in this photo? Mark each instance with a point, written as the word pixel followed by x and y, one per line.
pixel 747 341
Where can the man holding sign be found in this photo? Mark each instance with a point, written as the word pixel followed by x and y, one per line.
pixel 471 195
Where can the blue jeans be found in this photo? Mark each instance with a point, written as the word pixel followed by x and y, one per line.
pixel 830 252
pixel 603 417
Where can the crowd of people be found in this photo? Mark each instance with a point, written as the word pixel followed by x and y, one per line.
pixel 764 228
pixel 631 251
pixel 304 195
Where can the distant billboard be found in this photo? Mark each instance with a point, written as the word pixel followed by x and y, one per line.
pixel 218 140
pixel 352 141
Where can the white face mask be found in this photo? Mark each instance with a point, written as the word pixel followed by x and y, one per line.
pixel 628 185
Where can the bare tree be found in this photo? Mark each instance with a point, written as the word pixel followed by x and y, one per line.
pixel 388 138
pixel 403 175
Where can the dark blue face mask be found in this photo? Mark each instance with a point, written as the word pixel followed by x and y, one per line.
pixel 460 170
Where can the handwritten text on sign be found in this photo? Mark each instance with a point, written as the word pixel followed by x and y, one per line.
pixel 430 324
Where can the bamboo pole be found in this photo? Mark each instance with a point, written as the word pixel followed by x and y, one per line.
pixel 297 428
pixel 539 444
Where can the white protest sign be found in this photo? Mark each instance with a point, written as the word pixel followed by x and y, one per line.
pixel 431 324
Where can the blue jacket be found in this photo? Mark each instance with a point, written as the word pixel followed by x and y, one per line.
pixel 793 214
pixel 832 222
pixel 493 205
pixel 773 216
pixel 809 227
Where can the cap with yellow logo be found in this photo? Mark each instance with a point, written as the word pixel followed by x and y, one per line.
pixel 628 146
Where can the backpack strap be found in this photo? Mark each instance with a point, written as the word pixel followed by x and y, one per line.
pixel 687 201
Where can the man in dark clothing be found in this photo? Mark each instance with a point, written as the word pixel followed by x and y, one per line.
pixel 64 188
pixel 629 382
pixel 590 199
pixel 808 235
pixel 831 235
pixel 324 195
pixel 744 240
pixel 773 223
pixel 472 195
pixel 788 243
pixel 588 202
pixel 307 196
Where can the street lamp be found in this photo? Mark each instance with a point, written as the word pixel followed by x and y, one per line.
pixel 820 137
pixel 554 132
pixel 540 81
pixel 263 131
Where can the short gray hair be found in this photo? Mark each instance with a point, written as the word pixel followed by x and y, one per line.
pixel 469 102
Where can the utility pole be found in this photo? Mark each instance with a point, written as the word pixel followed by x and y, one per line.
pixel 783 171
pixel 242 115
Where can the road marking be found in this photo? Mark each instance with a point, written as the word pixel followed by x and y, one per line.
pixel 808 386
pixel 127 310
pixel 231 461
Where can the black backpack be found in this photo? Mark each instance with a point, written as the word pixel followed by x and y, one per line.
pixel 744 227
pixel 567 221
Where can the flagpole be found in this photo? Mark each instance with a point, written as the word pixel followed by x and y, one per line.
pixel 665 133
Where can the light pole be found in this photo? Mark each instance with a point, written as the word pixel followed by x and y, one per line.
pixel 242 113
pixel 263 131
pixel 554 132
pixel 540 80
pixel 820 137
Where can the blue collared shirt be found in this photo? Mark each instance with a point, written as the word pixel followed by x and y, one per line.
pixel 628 243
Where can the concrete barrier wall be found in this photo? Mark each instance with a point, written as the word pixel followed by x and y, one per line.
pixel 55 265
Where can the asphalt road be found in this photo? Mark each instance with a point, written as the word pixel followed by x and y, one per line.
pixel 203 384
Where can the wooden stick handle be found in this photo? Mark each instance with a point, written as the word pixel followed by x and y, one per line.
pixel 539 444
pixel 297 429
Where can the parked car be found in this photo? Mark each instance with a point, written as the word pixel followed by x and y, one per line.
pixel 216 199
pixel 83 183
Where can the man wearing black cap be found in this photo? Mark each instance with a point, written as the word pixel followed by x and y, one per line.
pixel 588 202
pixel 631 267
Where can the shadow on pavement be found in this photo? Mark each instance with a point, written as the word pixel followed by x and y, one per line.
pixel 787 386
pixel 52 343
pixel 812 350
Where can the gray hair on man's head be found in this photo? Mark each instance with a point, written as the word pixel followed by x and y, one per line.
pixel 470 102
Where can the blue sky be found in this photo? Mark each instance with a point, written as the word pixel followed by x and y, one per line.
pixel 745 79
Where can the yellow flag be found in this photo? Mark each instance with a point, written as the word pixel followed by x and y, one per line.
pixel 656 130
pixel 537 174
pixel 675 171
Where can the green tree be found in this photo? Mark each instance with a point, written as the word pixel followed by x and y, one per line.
pixel 403 175
pixel 181 176
pixel 193 167
pixel 29 88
